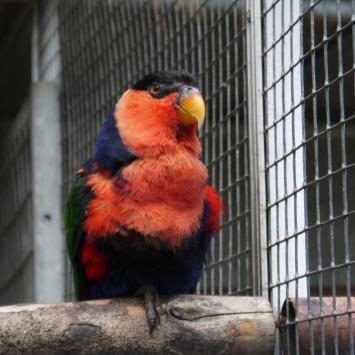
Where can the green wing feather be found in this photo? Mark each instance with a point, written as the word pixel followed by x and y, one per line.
pixel 73 217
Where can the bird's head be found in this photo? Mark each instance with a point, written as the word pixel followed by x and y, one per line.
pixel 160 112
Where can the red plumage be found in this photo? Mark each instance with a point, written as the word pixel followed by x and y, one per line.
pixel 94 264
pixel 215 208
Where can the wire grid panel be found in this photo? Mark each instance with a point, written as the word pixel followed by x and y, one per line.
pixel 309 131
pixel 107 45
pixel 16 233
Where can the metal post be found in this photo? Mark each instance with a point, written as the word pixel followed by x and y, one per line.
pixel 47 219
pixel 46 168
pixel 256 147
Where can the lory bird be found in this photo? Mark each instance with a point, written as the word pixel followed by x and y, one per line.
pixel 140 215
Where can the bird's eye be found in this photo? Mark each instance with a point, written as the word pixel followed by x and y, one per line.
pixel 155 89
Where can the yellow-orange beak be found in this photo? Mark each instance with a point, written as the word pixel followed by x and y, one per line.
pixel 191 109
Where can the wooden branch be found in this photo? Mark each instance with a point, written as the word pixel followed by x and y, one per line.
pixel 189 325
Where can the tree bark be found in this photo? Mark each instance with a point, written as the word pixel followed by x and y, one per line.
pixel 189 325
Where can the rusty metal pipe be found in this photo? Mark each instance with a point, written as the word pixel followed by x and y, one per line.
pixel 321 326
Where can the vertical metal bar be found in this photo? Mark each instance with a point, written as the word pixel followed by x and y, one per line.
pixel 275 167
pixel 199 35
pixel 284 170
pixel 152 44
pixel 229 161
pixel 213 130
pixel 294 181
pixel 256 148
pixel 329 151
pixel 199 71
pixel 316 167
pixel 219 114
pixel 151 9
pixel 164 35
pixel 183 30
pixel 344 176
pixel 248 258
pixel 239 168
pixel 172 40
pixel 279 252
pixel 193 39
pixel 206 132
pixel 120 21
pixel 350 306
pixel 304 156
pixel 178 36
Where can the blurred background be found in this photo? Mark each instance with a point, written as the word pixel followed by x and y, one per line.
pixel 279 139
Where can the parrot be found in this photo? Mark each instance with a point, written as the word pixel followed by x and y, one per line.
pixel 140 214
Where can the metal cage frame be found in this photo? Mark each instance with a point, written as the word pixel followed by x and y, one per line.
pixel 278 79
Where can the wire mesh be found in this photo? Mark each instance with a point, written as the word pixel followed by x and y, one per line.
pixel 48 41
pixel 107 45
pixel 309 58
pixel 16 233
pixel 96 49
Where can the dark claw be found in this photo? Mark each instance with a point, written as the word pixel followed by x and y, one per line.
pixel 151 299
pixel 153 317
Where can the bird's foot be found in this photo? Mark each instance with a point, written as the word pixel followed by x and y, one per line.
pixel 151 299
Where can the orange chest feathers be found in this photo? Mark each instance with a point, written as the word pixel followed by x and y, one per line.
pixel 158 197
